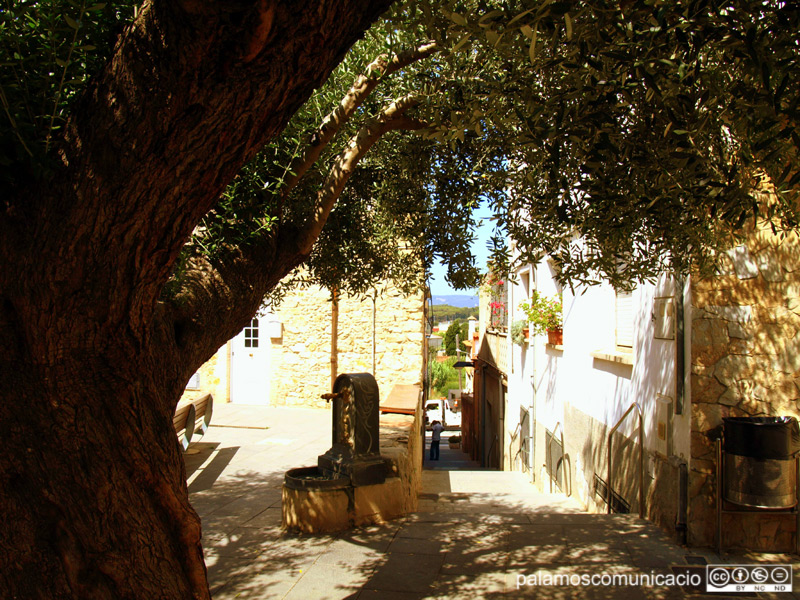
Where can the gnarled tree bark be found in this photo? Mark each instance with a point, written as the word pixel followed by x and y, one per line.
pixel 93 496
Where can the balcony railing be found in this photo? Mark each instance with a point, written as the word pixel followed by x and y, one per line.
pixel 497 345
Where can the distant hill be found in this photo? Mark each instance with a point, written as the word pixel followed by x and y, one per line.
pixel 445 312
pixel 457 300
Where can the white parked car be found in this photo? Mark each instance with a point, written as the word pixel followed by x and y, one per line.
pixel 453 408
pixel 434 409
pixel 452 418
pixel 444 411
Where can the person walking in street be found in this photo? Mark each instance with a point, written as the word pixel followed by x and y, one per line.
pixel 436 437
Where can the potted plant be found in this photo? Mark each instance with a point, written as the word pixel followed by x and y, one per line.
pixel 455 442
pixel 545 316
pixel 519 331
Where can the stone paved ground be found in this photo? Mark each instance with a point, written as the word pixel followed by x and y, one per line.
pixel 476 535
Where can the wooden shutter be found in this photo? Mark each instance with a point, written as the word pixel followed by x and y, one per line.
pixel 624 319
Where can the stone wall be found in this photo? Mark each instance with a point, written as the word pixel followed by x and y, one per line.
pixel 745 362
pixel 214 378
pixel 301 361
pixel 402 441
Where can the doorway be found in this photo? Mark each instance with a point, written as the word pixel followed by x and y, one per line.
pixel 250 373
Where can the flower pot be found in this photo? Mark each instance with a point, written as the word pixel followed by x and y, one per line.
pixel 454 446
pixel 526 332
pixel 555 336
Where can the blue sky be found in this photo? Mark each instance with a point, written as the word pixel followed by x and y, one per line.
pixel 438 285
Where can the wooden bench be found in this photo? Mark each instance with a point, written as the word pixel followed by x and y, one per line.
pixel 192 417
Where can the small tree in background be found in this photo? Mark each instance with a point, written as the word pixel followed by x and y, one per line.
pixel 457 328
pixel 443 376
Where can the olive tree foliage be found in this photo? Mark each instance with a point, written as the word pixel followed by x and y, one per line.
pixel 622 139
pixel 48 51
pixel 636 134
pixel 410 199
pixel 639 136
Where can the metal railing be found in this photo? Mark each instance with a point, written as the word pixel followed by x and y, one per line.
pixel 489 453
pixel 610 491
pixel 549 460
pixel 513 460
pixel 521 450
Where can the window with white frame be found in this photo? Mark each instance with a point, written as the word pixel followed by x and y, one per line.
pixel 251 334
pixel 624 320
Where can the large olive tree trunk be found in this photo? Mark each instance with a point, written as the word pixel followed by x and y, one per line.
pixel 92 484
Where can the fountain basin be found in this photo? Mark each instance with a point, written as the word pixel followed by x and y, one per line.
pixel 313 504
pixel 359 480
pixel 311 478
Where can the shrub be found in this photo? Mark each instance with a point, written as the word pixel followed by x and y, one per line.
pixel 442 373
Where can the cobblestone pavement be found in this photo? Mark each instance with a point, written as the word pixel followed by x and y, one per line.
pixel 477 534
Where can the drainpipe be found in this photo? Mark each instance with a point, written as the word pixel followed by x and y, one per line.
pixel 228 369
pixel 334 336
pixel 532 348
pixel 680 358
pixel 501 422
pixel 482 444
pixel 683 502
pixel 680 400
pixel 532 440
pixel 458 345
pixel 374 327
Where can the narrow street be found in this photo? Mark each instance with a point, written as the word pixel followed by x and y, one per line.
pixel 477 534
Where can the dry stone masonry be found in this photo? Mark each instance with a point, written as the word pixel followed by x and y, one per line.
pixel 305 355
pixel 300 357
pixel 745 362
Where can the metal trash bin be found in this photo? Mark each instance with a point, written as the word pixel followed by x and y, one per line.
pixel 759 461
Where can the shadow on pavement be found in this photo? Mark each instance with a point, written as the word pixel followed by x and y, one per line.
pixel 464 545
pixel 478 534
pixel 213 470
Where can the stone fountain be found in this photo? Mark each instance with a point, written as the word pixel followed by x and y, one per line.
pixel 326 497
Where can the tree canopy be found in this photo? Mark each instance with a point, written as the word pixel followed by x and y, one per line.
pixel 638 134
pixel 163 166
pixel 622 140
pixel 646 130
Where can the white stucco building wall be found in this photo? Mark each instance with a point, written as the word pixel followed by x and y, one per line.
pixel 581 388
